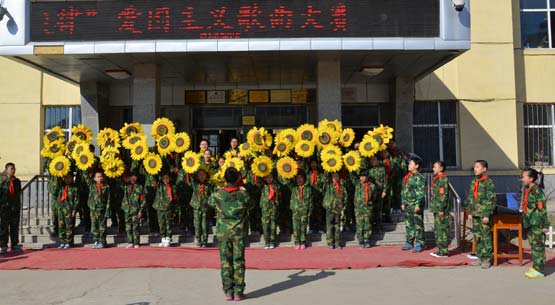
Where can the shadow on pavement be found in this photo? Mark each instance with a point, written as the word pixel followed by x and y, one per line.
pixel 295 280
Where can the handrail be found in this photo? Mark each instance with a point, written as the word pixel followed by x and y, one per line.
pixel 457 213
pixel 40 199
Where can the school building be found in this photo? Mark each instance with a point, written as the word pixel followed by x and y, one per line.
pixel 219 67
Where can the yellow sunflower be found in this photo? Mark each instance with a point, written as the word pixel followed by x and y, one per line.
pixel 114 168
pixel 70 146
pixel 332 164
pixel 262 166
pixel 330 150
pixel 304 149
pixel 245 150
pixel 108 137
pixel 218 179
pixel 130 141
pixel 139 151
pixel 82 132
pixel 53 149
pixel 334 125
pixel 347 137
pixel 80 148
pixel 235 162
pixel 55 134
pixel 182 142
pixel 382 142
pixel 162 127
pixel 368 147
pixel 282 148
pixel 132 129
pixel 84 160
pixel 259 139
pixel 326 136
pixel 191 162
pixel 165 144
pixel 290 135
pixel 352 161
pixel 229 154
pixel 307 132
pixel 287 168
pixel 385 131
pixel 108 154
pixel 59 166
pixel 152 163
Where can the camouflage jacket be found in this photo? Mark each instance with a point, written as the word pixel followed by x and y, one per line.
pixel 482 202
pixel 201 193
pixel 398 166
pixel 300 202
pixel 377 176
pixel 363 194
pixel 317 180
pixel 534 208
pixel 71 201
pixel 232 208
pixel 11 200
pixel 333 199
pixel 133 199
pixel 270 203
pixel 414 190
pixel 99 195
pixel 439 200
pixel 164 200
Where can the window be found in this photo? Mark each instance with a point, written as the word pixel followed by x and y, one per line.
pixel 65 117
pixel 435 132
pixel 280 116
pixel 217 117
pixel 538 134
pixel 537 23
pixel 361 116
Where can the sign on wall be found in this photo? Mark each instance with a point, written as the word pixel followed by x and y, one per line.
pixel 215 97
pixel 201 19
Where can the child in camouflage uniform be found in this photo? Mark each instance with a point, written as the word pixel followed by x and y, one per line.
pixel 364 190
pixel 412 196
pixel 335 198
pixel 301 205
pixel 199 202
pixel 68 203
pixel 439 205
pixel 269 203
pixel 481 201
pixel 535 219
pixel 133 204
pixel 99 205
pixel 163 203
pixel 377 175
pixel 232 205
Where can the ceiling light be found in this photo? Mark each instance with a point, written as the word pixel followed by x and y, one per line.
pixel 371 71
pixel 118 74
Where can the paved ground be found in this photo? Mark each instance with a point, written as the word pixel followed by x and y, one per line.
pixel 412 286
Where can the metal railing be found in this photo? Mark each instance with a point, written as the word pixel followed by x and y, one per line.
pixel 35 201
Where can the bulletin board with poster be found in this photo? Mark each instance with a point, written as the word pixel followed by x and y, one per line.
pixel 299 96
pixel 215 97
pixel 195 97
pixel 280 96
pixel 259 96
pixel 238 96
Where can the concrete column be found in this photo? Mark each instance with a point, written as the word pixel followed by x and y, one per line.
pixel 329 89
pixel 404 108
pixel 91 108
pixel 146 95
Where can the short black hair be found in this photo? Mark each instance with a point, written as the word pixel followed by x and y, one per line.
pixel 98 171
pixel 416 161
pixel 442 164
pixel 9 164
pixel 231 175
pixel 204 140
pixel 484 163
pixel 131 174
pixel 302 174
pixel 363 173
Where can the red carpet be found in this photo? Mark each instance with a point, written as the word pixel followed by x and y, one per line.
pixel 277 259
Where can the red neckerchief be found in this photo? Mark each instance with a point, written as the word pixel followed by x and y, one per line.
pixel 175 170
pixel 64 194
pixel 337 187
pixel 99 189
pixel 314 178
pixel 131 186
pixel 272 194
pixel 477 184
pixel 407 177
pixel 169 191
pixel 301 191
pixel 366 189
pixel 387 164
pixel 436 178
pixel 231 189
pixel 202 189
pixel 525 203
pixel 298 165
pixel 255 179
pixel 12 189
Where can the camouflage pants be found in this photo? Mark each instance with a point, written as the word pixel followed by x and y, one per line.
pixel 537 244
pixel 483 238
pixel 395 198
pixel 317 214
pixel 165 223
pixel 98 226
pixel 300 223
pixel 232 258
pixel 333 229
pixel 54 207
pixel 364 224
pixel 201 225
pixel 66 224
pixel 441 231
pixel 133 227
pixel 414 226
pixel 9 226
pixel 269 227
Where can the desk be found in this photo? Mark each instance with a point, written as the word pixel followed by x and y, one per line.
pixel 504 223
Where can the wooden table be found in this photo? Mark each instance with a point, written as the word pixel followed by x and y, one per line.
pixel 506 223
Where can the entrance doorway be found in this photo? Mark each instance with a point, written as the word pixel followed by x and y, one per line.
pixel 218 140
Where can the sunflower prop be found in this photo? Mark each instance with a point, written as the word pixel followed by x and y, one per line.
pixel 326 136
pixel 108 155
pixel 307 132
pixel 259 139
pixel 70 146
pixel 234 162
pixel 330 150
pixel 53 149
pixel 139 151
pixel 287 168
pixel 80 148
pixel 382 145
pixel 82 132
pixel 84 160
pixel 332 164
pixel 152 163
pixel 55 134
pixel 108 137
pixel 114 168
pixel 368 147
pixel 304 149
pixel 334 125
pixel 190 162
pixel 262 166
pixel 290 135
pixel 162 127
pixel 282 148
pixel 347 137
pixel 130 141
pixel 59 166
pixel 132 129
pixel 245 150
pixel 182 142
pixel 352 161
pixel 386 132
pixel 165 144
pixel 218 178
